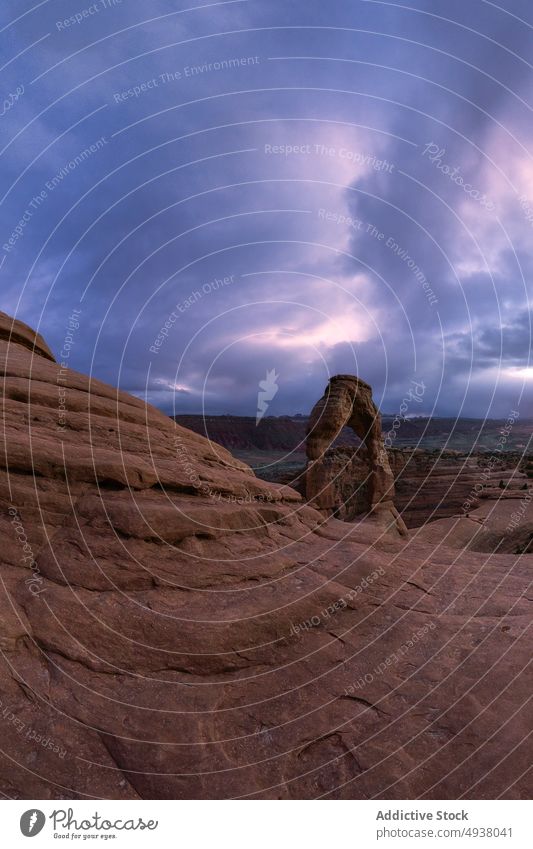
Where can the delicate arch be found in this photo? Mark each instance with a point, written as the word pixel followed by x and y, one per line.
pixel 347 401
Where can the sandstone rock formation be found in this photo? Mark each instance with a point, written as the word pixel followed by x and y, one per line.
pixel 340 483
pixel 429 483
pixel 19 333
pixel 432 485
pixel 503 525
pixel 173 627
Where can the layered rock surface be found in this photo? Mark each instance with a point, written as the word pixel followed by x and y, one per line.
pixel 173 627
pixel 505 525
pixel 432 485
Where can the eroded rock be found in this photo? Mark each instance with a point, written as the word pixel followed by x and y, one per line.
pixel 346 483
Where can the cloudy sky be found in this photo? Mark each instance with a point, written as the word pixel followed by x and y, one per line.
pixel 226 189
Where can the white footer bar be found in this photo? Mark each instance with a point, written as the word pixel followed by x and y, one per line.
pixel 269 824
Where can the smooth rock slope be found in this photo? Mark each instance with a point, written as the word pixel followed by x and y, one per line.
pixel 173 627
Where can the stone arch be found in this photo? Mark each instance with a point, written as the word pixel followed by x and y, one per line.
pixel 347 401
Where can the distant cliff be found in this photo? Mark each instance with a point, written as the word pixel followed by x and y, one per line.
pixel 283 433
pixel 287 433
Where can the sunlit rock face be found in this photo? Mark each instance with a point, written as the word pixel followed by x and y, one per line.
pixel 345 483
pixel 17 333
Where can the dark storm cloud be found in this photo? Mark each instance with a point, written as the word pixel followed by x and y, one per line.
pixel 354 170
pixel 509 342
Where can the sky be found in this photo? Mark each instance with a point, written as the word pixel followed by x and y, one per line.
pixel 206 197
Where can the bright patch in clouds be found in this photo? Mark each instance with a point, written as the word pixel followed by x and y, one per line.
pixel 330 332
pixel 520 373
